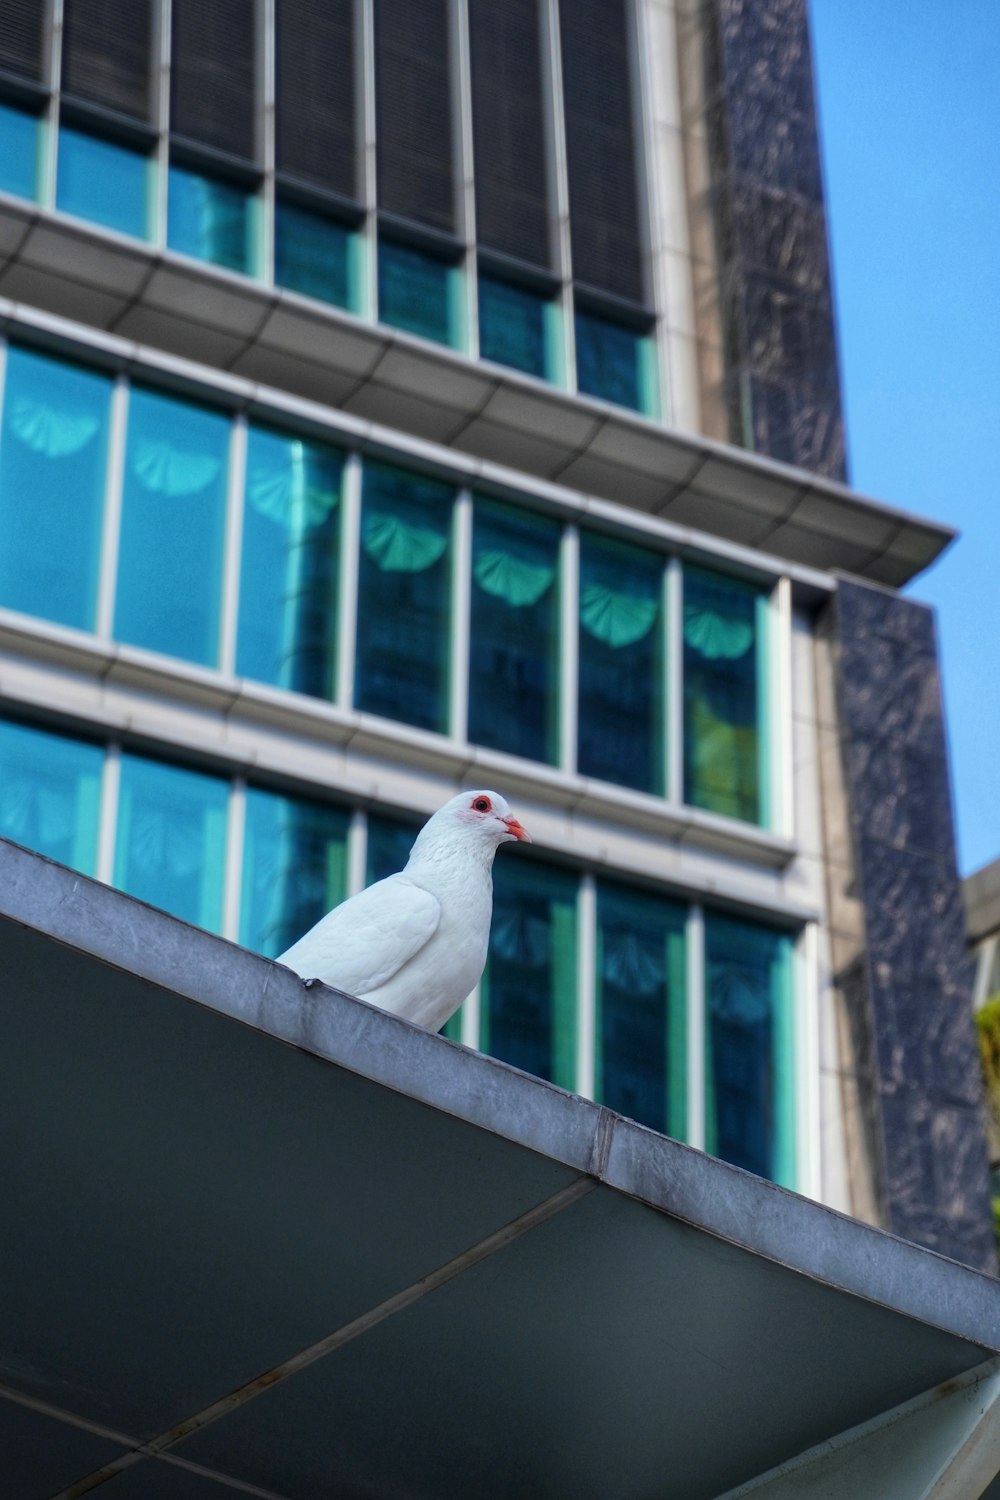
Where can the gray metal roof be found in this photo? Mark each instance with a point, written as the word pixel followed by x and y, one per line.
pixel 276 339
pixel 267 1237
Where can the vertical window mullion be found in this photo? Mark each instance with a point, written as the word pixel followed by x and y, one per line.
pixel 266 65
pixel 161 122
pixel 368 247
pixel 461 85
pixel 697 1006
pixel 108 819
pixel 673 657
pixel 229 610
pixel 461 590
pixel 357 852
pixel 50 117
pixel 569 646
pixel 559 177
pixel 347 594
pixel 804 1000
pixel 111 535
pixel 778 772
pixel 587 1040
pixel 232 890
pixel 470 1019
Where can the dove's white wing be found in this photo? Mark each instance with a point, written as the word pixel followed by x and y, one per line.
pixel 362 943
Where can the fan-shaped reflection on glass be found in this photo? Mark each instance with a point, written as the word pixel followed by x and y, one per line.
pixel 514 639
pixel 53 466
pixel 170 841
pixel 50 793
pixel 294 868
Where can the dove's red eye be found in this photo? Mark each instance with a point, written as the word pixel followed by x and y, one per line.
pixel 482 804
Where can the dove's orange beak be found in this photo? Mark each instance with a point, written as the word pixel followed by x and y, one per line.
pixel 514 827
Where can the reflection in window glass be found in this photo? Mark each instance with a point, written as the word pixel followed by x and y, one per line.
pixel 19 146
pixel 50 790
pixel 211 220
pixel 514 648
pixel 104 182
pixel 724 739
pixel 294 868
pixel 314 255
pixel 289 566
pixel 512 327
pixel 748 1067
pixel 171 839
pixel 621 710
pixel 173 522
pixel 418 292
pixel 53 458
pixel 528 992
pixel 609 361
pixel 641 1001
pixel 403 597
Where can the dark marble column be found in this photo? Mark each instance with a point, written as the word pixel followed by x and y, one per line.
pixel 783 384
pixel 910 989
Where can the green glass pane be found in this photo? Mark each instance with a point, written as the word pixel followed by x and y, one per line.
pixel 621 671
pixel 314 255
pixel 287 630
pixel 641 1007
pixel 171 839
pixel 172 530
pixel 416 292
pixel 722 696
pixel 211 220
pixel 528 993
pixel 749 1114
pixel 608 361
pixel 389 844
pixel 20 135
pixel 512 327
pixel 102 181
pixel 404 583
pixel 514 648
pixel 294 866
pixel 53 462
pixel 50 792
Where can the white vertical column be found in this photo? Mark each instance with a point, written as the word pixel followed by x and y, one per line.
pixel 364 16
pixel 357 852
pixel 107 825
pixel 471 1011
pixel 696 1007
pixel 266 145
pixel 569 645
pixel 232 887
pixel 461 604
pixel 559 176
pixel 113 487
pixel 805 1022
pixel 229 608
pixel 673 656
pixel 50 141
pixel 161 120
pixel 586 986
pixel 347 597
pixel 781 709
pixel 461 76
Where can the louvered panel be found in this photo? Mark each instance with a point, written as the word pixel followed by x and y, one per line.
pixel 22 31
pixel 106 53
pixel 212 84
pixel 413 111
pixel 509 129
pixel 315 127
pixel 601 147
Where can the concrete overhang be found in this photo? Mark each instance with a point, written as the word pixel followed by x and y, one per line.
pixel 265 1239
pixel 279 341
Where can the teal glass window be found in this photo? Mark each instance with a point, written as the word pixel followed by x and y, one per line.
pixel 404 587
pixel 749 1073
pixel 513 327
pixel 610 361
pixel 389 845
pixel 621 667
pixel 314 255
pixel 514 646
pixel 528 992
pixel 20 134
pixel 212 220
pixel 170 842
pixel 725 728
pixel 172 529
pixel 102 181
pixel 50 794
pixel 287 632
pixel 419 292
pixel 294 868
pixel 53 464
pixel 641 1007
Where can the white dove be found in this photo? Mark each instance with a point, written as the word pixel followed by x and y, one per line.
pixel 415 943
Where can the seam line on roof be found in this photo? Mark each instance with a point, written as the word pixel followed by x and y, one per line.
pixel 457 1266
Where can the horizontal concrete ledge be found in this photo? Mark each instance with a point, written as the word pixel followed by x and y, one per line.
pixel 282 342
pixel 733 1206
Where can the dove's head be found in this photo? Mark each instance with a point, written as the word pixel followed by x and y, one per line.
pixel 472 820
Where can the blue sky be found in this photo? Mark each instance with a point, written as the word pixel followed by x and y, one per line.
pixel 909 100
